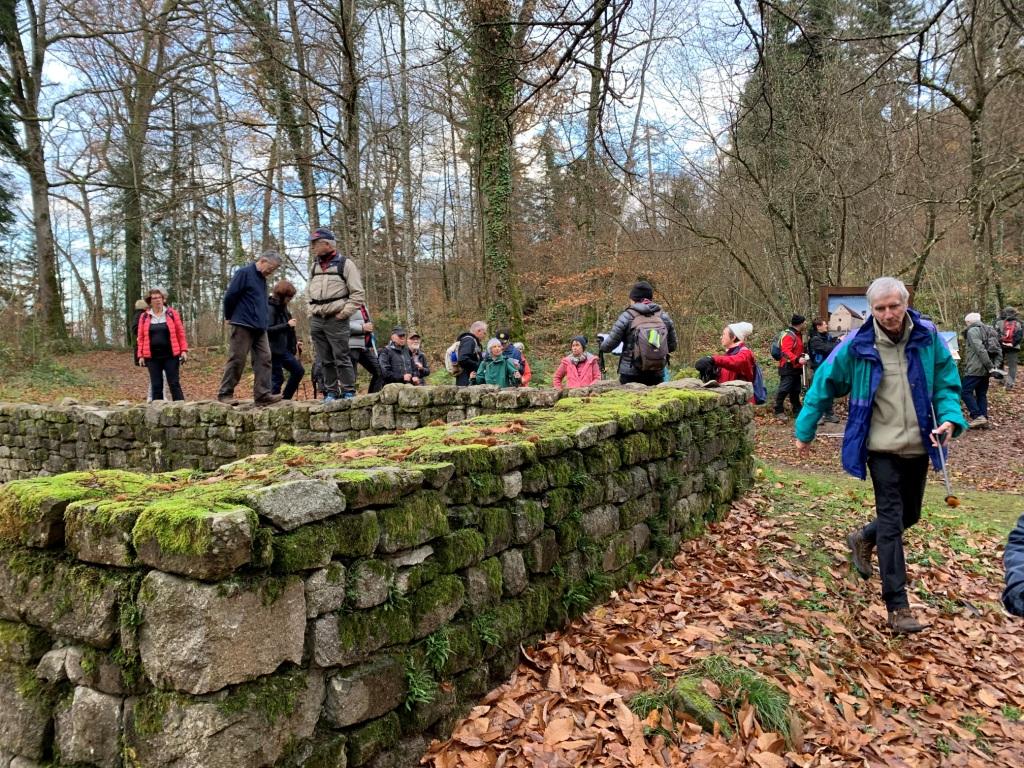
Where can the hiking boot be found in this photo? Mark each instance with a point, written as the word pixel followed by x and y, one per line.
pixel 832 419
pixel 978 422
pixel 227 400
pixel 330 397
pixel 902 622
pixel 268 400
pixel 347 395
pixel 861 551
pixel 781 417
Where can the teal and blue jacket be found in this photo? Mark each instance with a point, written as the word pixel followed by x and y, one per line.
pixel 855 368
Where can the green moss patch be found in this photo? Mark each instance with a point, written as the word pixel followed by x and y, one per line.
pixel 459 550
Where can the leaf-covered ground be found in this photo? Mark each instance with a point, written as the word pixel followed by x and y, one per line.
pixel 770 589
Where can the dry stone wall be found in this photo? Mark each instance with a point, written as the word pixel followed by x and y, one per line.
pixel 37 439
pixel 336 605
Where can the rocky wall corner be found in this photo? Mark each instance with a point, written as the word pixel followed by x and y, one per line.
pixel 336 605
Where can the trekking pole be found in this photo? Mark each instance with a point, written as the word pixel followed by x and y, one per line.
pixel 951 499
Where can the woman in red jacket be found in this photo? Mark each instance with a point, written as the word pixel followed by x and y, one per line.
pixel 161 345
pixel 579 368
pixel 738 361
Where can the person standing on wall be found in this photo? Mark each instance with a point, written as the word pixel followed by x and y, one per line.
pixel 161 345
pixel 362 349
pixel 904 406
pixel 284 345
pixel 335 293
pixel 247 310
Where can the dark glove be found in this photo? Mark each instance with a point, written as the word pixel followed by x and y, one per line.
pixel 706 368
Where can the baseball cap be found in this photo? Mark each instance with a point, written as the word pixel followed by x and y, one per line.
pixel 321 233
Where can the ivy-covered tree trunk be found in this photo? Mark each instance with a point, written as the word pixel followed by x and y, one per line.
pixel 494 87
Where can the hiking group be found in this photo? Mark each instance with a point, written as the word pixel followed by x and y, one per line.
pixel 899 376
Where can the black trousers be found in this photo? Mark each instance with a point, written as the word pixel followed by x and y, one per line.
pixel 648 378
pixel 330 336
pixel 899 491
pixel 157 367
pixel 368 359
pixel 789 386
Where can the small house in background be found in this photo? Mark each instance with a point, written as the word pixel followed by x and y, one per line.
pixel 843 319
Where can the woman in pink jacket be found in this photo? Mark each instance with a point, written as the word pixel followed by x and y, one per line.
pixel 579 368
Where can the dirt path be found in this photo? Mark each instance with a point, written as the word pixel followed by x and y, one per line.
pixel 770 590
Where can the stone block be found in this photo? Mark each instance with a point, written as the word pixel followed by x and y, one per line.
pixel 463 548
pixel 512 483
pixel 417 520
pixel 296 502
pixel 22 644
pixel 527 520
pixel 198 638
pixel 68 599
pixel 361 693
pixel 337 640
pixel 435 604
pixel 483 585
pixel 101 531
pixel 252 725
pixel 94 669
pixel 205 546
pixel 325 590
pixel 89 731
pixel 496 527
pixel 25 711
pixel 541 554
pixel 619 552
pixel 368 741
pixel 601 522
pixel 369 583
pixel 514 578
pixel 373 487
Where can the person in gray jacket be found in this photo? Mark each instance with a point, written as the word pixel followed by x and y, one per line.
pixel 361 348
pixel 1011 333
pixel 641 316
pixel 981 356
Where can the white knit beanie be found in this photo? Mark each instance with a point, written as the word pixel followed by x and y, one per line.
pixel 741 330
pixel 972 317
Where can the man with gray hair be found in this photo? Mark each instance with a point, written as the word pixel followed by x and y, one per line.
pixel 982 355
pixel 470 352
pixel 904 406
pixel 335 293
pixel 246 309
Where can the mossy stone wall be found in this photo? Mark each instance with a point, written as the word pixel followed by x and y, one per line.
pixel 337 604
pixel 47 440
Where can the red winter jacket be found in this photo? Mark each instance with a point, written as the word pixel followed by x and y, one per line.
pixel 582 375
pixel 736 365
pixel 179 343
pixel 792 348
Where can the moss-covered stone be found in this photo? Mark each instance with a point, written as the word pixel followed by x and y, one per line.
pixel 619 551
pixel 369 583
pixel 559 503
pixel 22 644
pixel 535 478
pixel 435 604
pixel 367 741
pixel 496 526
pixel 527 520
pixel 464 649
pixel 459 550
pixel 569 534
pixel 541 554
pixel 638 509
pixel 416 520
pixel 635 448
pixel 351 637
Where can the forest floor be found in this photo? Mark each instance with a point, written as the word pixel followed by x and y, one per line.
pixel 766 591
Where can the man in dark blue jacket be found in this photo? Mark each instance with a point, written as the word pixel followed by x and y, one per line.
pixel 1013 565
pixel 245 308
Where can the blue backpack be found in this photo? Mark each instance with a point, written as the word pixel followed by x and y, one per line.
pixel 760 390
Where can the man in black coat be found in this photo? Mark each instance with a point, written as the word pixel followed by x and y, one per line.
pixel 819 347
pixel 396 362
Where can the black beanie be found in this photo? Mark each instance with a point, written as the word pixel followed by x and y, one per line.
pixel 796 320
pixel 581 339
pixel 640 291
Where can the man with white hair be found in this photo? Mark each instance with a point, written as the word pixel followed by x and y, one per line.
pixel 335 293
pixel 981 355
pixel 904 406
pixel 246 309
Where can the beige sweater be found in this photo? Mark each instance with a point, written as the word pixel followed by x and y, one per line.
pixel 894 426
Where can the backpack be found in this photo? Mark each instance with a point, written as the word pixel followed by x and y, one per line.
pixel 451 359
pixel 1013 333
pixel 760 390
pixel 990 339
pixel 650 342
pixel 776 347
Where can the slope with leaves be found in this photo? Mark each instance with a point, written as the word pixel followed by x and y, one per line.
pixel 770 589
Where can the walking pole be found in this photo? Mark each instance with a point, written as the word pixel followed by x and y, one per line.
pixel 951 499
